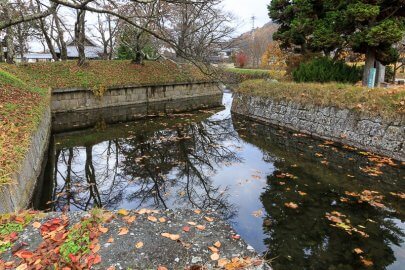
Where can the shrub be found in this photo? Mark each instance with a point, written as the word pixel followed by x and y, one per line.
pixel 241 59
pixel 324 69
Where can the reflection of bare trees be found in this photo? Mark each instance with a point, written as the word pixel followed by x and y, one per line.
pixel 166 168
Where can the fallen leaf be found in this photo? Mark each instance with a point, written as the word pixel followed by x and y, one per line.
pixel 97 259
pixel 139 245
pixel 123 212
pixel 222 262
pixel 123 231
pixel 191 223
pixel 366 262
pixel 24 254
pixel 217 244
pixel 36 225
pixel 103 229
pixel 197 211
pixel 162 220
pixel 22 267
pixel 213 249
pixel 257 213
pixel 186 228
pixel 173 237
pixel 152 218
pixel 200 227
pixel 358 251
pixel 302 193
pixel 214 256
pixel 110 240
pixel 96 248
pixel 291 205
pixel 209 219
pixel 161 268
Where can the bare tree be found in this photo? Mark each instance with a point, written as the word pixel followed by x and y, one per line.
pixel 80 35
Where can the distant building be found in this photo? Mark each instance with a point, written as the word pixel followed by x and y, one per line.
pixel 34 57
pixel 91 49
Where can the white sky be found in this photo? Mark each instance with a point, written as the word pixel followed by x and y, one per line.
pixel 245 9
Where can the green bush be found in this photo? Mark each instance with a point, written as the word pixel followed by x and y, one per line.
pixel 324 69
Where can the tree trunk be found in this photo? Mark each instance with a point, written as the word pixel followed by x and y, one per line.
pixel 80 37
pixel 10 45
pixel 48 40
pixel 380 74
pixel 1 52
pixel 370 62
pixel 61 39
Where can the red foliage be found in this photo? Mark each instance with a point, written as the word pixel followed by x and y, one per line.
pixel 241 59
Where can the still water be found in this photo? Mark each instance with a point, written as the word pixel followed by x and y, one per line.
pixel 304 203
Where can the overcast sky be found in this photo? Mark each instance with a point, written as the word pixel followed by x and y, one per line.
pixel 245 9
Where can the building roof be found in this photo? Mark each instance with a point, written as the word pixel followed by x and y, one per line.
pixel 36 56
pixel 91 52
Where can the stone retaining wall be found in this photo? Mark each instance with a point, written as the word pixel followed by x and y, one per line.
pixel 17 195
pixel 359 129
pixel 67 100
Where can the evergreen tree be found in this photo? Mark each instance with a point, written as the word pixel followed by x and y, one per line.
pixel 370 27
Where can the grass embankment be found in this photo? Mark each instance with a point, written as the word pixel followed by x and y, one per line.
pixel 24 95
pixel 384 101
pixel 104 73
pixel 21 107
pixel 238 75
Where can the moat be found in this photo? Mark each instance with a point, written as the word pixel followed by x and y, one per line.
pixel 304 203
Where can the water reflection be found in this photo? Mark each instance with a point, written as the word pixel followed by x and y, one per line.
pixel 248 172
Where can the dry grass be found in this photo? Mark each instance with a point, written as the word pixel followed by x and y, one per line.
pixel 382 101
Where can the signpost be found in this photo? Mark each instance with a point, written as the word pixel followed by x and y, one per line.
pixel 371 78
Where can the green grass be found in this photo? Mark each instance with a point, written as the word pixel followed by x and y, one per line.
pixel 248 71
pixel 385 102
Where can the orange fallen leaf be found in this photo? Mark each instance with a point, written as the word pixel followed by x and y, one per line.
pixel 152 218
pixel 161 268
pixel 213 249
pixel 186 228
pixel 358 251
pixel 123 231
pixel 223 262
pixel 110 240
pixel 209 219
pixel 139 245
pixel 130 219
pixel 96 248
pixel 162 220
pixel 366 262
pixel 102 229
pixel 302 193
pixel 217 244
pixel 191 223
pixel 291 205
pixel 173 237
pixel 197 211
pixel 200 227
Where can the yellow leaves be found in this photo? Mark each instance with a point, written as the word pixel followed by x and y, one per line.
pixel 152 218
pixel 291 205
pixel 173 237
pixel 139 245
pixel 123 212
pixel 123 231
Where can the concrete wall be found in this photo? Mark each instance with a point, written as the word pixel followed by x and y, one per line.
pixel 385 136
pixel 17 195
pixel 67 100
